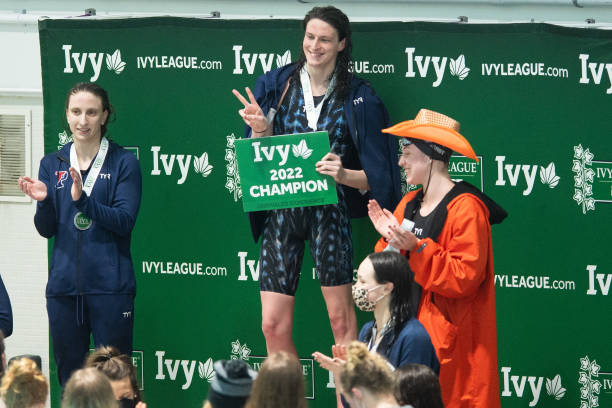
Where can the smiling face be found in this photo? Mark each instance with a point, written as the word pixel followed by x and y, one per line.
pixel 415 163
pixel 85 116
pixel 321 44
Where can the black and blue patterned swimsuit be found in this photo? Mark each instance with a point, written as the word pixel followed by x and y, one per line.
pixel 326 227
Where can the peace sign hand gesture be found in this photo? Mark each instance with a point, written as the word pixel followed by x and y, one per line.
pixel 252 114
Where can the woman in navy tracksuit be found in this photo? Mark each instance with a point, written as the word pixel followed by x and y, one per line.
pixel 88 197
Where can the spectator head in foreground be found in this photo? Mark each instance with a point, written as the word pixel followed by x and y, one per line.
pixel 279 383
pixel 366 379
pixel 418 385
pixel 24 386
pixel 231 385
pixel 88 388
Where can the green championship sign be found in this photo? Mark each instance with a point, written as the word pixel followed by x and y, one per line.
pixel 279 171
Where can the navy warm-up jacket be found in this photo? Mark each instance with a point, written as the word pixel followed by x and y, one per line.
pixel 96 260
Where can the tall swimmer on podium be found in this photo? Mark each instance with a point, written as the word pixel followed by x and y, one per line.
pixel 318 92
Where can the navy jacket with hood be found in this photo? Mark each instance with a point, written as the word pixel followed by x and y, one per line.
pixel 96 260
pixel 366 115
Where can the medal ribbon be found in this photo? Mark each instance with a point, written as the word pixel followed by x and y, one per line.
pixel 92 177
pixel 312 113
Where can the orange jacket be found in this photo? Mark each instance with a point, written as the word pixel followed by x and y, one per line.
pixel 458 301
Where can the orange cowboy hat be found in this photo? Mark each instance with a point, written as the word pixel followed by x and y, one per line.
pixel 440 132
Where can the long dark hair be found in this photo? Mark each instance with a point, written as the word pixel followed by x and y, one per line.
pixel 393 267
pixel 337 19
pixel 418 386
pixel 98 91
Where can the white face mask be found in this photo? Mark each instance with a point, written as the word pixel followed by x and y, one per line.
pixel 360 296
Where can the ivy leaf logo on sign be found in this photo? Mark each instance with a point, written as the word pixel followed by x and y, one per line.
pixel 301 150
pixel 201 165
pixel 282 60
pixel 554 387
pixel 114 63
pixel 206 370
pixel 548 176
pixel 458 68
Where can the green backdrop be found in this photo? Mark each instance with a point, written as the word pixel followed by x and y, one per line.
pixel 533 99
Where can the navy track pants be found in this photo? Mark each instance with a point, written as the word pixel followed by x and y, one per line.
pixel 72 319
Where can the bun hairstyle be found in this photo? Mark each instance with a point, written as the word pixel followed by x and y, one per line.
pixel 114 365
pixel 365 370
pixel 23 385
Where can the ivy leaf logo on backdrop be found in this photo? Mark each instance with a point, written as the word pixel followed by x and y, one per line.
pixel 548 176
pixel 114 63
pixel 301 150
pixel 64 138
pixel 554 387
pixel 591 387
pixel 206 370
pixel 282 60
pixel 232 183
pixel 583 187
pixel 240 351
pixel 458 68
pixel 201 165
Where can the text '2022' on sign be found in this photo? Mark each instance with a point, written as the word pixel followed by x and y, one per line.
pixel 279 171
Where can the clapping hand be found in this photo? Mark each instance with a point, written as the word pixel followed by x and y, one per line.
pixel 335 363
pixel 382 219
pixel 35 189
pixel 77 184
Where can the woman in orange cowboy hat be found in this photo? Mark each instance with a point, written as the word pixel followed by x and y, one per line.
pixel 450 252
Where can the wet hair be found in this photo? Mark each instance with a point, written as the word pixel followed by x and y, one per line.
pixel 88 388
pixel 337 19
pixel 279 383
pixel 393 267
pixel 24 385
pixel 114 365
pixel 366 370
pixel 417 385
pixel 98 91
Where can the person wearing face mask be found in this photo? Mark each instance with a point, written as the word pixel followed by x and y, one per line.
pixel 385 286
pixel 319 92
pixel 88 195
pixel 451 255
pixel 120 372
